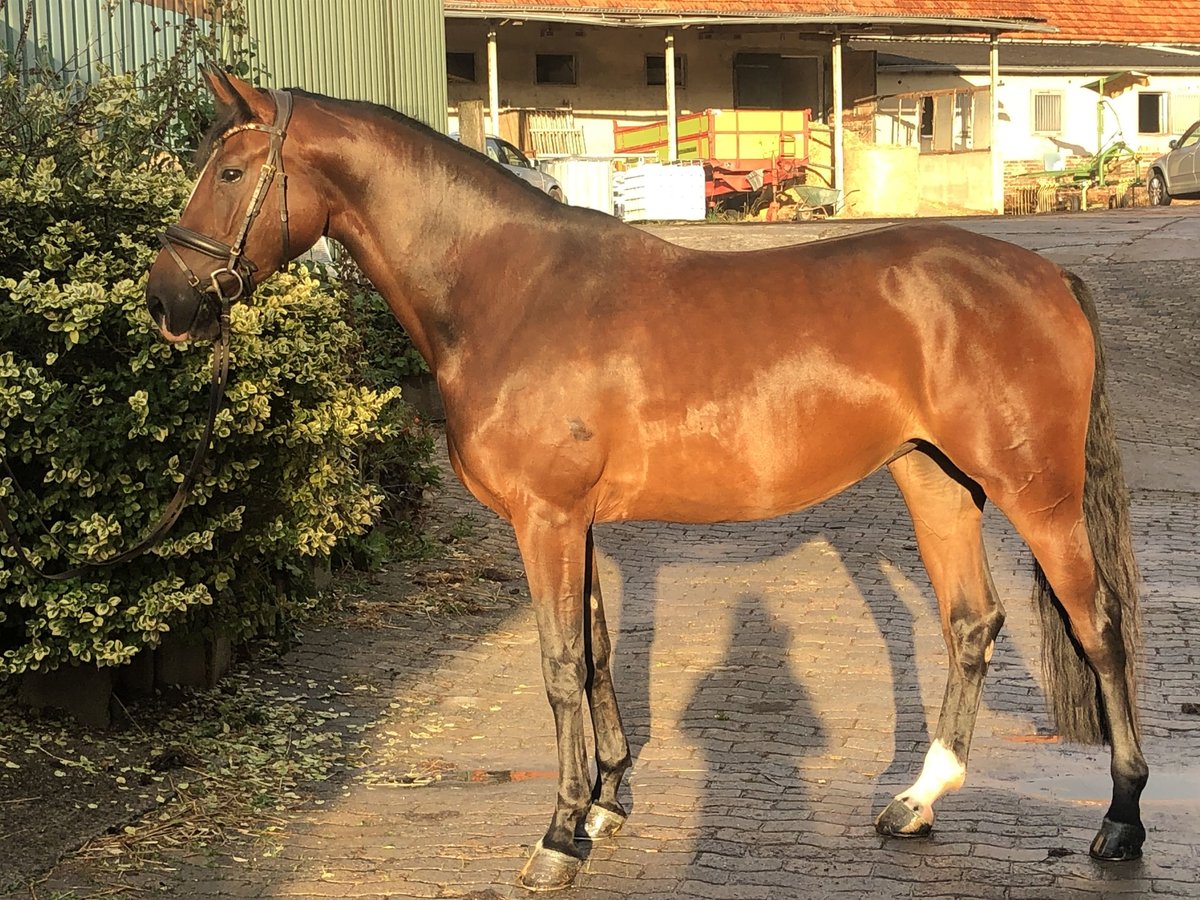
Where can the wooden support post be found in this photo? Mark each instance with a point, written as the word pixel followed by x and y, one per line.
pixel 994 138
pixel 493 68
pixel 672 123
pixel 839 141
pixel 470 124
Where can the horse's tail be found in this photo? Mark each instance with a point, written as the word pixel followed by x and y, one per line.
pixel 1071 684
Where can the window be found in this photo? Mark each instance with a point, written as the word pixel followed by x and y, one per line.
pixel 656 70
pixel 964 121
pixel 1185 109
pixel 460 67
pixel 508 154
pixel 926 123
pixel 899 121
pixel 555 68
pixel 1047 112
pixel 1152 112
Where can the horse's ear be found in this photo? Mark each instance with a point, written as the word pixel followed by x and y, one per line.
pixel 218 83
pixel 229 90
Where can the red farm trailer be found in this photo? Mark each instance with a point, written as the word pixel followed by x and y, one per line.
pixel 742 149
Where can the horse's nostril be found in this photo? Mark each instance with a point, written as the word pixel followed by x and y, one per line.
pixel 158 309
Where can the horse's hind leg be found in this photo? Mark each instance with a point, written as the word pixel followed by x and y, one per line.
pixel 1101 621
pixel 946 510
pixel 606 815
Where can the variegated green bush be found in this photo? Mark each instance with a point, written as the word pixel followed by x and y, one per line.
pixel 99 416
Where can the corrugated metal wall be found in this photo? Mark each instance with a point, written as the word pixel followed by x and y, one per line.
pixel 421 56
pixel 391 52
pixel 82 35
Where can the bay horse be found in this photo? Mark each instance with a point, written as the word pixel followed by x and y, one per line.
pixel 592 373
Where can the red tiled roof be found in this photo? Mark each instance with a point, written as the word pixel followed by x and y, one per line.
pixel 1133 21
pixel 940 8
pixel 1123 21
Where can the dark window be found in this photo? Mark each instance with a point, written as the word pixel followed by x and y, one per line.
pixel 656 70
pixel 460 66
pixel 926 118
pixel 1152 113
pixel 758 81
pixel 510 155
pixel 555 68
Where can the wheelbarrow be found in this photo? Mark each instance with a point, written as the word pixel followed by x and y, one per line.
pixel 809 201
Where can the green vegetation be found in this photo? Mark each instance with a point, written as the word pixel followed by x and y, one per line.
pixel 99 416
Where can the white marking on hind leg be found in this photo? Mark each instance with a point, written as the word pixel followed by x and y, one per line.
pixel 941 773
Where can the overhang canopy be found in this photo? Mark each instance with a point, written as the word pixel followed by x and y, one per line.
pixel 865 17
pixel 1025 57
pixel 1119 83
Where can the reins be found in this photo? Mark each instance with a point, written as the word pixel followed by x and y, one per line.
pixel 242 272
pixel 220 376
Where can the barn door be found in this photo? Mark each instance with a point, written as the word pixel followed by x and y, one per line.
pixel 774 81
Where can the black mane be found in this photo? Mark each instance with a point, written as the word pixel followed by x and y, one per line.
pixel 227 117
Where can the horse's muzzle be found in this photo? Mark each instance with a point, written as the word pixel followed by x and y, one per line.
pixel 204 324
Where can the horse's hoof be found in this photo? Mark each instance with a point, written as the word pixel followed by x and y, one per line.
pixel 599 824
pixel 899 820
pixel 549 870
pixel 1118 841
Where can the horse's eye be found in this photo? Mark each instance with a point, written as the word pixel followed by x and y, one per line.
pixel 229 176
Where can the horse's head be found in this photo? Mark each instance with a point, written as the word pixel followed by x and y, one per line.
pixel 244 219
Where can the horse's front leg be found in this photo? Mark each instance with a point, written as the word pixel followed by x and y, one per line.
pixel 554 552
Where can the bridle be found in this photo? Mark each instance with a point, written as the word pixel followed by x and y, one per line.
pixel 238 267
pixel 238 274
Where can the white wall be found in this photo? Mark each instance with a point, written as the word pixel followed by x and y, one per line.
pixel 1017 139
pixel 958 181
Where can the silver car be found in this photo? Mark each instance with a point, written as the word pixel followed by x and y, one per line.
pixel 1176 174
pixel 518 163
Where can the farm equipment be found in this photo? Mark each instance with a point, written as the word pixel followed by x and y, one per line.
pixel 1104 179
pixel 743 150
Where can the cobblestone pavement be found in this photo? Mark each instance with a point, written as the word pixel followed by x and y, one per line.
pixel 779 681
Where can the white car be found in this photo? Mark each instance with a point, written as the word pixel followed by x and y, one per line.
pixel 518 163
pixel 1177 173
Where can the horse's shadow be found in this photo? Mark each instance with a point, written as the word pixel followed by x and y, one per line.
pixel 870 561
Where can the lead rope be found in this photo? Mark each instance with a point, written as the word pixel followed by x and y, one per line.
pixel 236 266
pixel 220 377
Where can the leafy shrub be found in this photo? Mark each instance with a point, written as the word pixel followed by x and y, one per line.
pixel 99 416
pixel 388 354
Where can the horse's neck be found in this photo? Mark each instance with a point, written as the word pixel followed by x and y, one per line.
pixel 418 232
